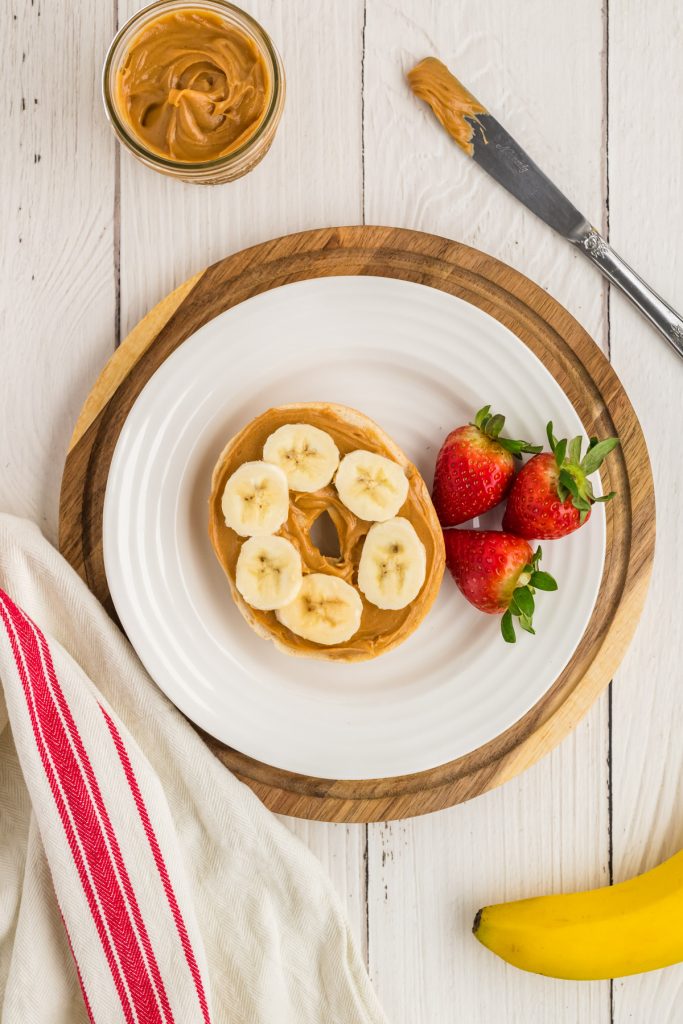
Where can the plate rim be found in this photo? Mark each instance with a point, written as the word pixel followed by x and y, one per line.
pixel 539 322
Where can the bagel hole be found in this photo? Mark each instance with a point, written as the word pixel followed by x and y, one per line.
pixel 325 537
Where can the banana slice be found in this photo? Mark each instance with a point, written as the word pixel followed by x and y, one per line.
pixel 374 488
pixel 326 610
pixel 268 573
pixel 255 501
pixel 308 456
pixel 393 564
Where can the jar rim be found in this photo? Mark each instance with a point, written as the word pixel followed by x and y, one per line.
pixel 261 38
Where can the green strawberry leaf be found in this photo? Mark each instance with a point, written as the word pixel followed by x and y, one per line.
pixel 517 447
pixel 507 628
pixel 583 515
pixel 514 447
pixel 495 425
pixel 542 580
pixel 575 449
pixel 596 455
pixel 606 497
pixel 524 600
pixel 482 415
pixel 567 481
pixel 526 625
pixel 559 451
pixel 552 440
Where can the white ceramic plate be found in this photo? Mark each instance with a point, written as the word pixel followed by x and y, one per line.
pixel 419 362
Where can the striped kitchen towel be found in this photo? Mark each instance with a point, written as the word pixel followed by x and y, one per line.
pixel 140 881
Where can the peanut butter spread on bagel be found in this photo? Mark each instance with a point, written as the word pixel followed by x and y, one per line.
pixel 380 629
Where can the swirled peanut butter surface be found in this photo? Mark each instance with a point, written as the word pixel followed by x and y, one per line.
pixel 192 87
pixel 379 629
pixel 454 105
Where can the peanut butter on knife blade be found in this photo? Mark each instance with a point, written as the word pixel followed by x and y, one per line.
pixel 453 105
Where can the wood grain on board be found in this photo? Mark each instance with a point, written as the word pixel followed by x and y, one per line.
pixel 567 352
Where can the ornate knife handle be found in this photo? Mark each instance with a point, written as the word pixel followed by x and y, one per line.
pixel 659 312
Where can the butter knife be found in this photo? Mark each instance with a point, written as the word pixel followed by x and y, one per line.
pixel 483 138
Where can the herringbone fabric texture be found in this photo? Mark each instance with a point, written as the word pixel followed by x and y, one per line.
pixel 139 881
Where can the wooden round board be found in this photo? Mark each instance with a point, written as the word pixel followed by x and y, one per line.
pixel 567 352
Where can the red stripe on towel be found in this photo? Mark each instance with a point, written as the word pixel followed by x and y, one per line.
pixel 66 821
pixel 78 972
pixel 160 863
pixel 94 831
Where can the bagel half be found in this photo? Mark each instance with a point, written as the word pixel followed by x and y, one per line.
pixel 380 630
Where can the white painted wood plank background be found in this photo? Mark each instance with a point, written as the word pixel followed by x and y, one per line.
pixel 91 240
pixel 646 224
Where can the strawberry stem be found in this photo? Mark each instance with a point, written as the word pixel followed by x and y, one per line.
pixel 573 471
pixel 491 426
pixel 522 603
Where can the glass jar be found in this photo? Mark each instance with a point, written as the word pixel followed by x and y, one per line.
pixel 233 164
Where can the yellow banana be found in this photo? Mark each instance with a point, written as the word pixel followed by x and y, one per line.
pixel 605 933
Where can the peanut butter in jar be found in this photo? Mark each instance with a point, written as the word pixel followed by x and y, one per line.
pixel 194 90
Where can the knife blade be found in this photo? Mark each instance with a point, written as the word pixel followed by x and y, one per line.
pixel 485 140
pixel 502 158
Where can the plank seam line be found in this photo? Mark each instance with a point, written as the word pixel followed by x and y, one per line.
pixel 608 297
pixel 117 222
pixel 362 110
pixel 366 830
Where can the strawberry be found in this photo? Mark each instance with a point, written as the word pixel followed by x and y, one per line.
pixel 498 573
pixel 552 495
pixel 474 468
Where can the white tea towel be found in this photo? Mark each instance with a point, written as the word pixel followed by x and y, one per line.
pixel 140 882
